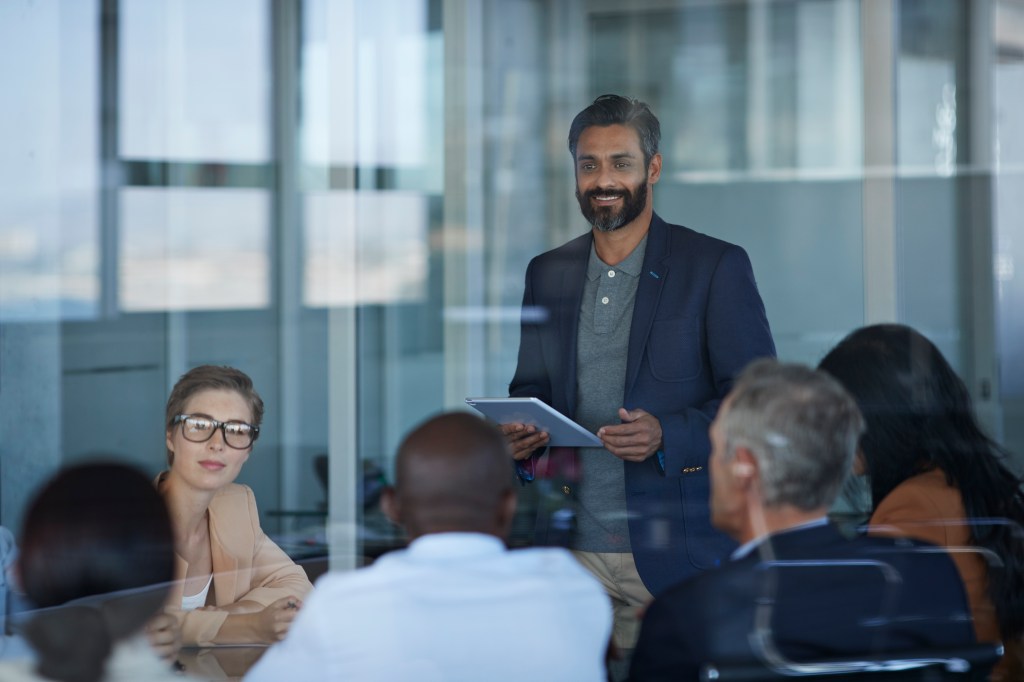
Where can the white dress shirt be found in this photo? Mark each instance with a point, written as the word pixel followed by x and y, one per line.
pixel 453 606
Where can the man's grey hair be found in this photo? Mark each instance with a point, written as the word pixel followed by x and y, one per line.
pixel 802 427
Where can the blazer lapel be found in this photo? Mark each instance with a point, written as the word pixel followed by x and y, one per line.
pixel 648 295
pixel 225 565
pixel 571 296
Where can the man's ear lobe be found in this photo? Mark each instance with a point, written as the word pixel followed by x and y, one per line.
pixel 390 506
pixel 744 465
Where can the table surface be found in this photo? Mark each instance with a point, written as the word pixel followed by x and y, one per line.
pixel 219 662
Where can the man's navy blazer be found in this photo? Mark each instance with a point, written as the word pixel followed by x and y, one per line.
pixel 698 320
pixel 822 596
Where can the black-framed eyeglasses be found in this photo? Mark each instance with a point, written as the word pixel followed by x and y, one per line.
pixel 200 428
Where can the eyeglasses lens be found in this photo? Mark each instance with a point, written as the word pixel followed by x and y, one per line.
pixel 236 434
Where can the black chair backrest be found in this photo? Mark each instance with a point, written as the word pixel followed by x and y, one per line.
pixel 973 663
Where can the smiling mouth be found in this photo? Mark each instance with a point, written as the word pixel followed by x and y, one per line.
pixel 606 197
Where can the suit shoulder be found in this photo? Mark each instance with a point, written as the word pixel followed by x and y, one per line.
pixel 699 588
pixel 571 250
pixel 690 240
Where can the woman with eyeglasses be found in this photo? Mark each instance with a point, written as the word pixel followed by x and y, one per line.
pixel 234 585
pixel 935 475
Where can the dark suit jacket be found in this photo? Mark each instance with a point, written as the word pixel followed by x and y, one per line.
pixel 814 611
pixel 697 321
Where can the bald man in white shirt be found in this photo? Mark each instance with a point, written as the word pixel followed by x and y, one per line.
pixel 456 604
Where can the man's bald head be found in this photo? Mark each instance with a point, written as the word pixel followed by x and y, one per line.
pixel 452 474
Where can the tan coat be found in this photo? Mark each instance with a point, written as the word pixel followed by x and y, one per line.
pixel 927 508
pixel 247 565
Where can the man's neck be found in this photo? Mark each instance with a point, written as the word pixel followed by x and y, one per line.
pixel 766 521
pixel 615 246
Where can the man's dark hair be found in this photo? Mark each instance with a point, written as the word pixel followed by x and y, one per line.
pixel 609 110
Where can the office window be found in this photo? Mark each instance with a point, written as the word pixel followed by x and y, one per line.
pixel 194 249
pixel 194 80
pixel 49 170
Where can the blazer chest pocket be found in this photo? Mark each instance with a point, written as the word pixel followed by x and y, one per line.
pixel 673 349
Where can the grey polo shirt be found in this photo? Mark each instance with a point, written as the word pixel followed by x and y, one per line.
pixel 602 343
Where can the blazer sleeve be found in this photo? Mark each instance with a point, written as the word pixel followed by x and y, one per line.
pixel 274 574
pixel 257 568
pixel 737 332
pixel 532 379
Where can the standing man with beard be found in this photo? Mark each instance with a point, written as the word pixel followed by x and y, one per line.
pixel 643 326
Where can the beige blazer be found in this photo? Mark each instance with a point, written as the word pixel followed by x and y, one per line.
pixel 247 565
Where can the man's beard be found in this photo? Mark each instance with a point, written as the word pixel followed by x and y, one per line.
pixel 606 218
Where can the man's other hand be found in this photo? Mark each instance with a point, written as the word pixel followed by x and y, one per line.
pixel 635 439
pixel 523 439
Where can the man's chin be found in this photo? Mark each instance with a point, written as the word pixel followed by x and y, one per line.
pixel 604 220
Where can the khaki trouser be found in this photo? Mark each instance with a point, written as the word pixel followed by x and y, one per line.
pixel 617 573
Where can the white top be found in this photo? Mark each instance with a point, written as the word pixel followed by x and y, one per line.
pixel 196 600
pixel 453 606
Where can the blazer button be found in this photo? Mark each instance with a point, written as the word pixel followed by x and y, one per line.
pixel 690 470
pixel 566 489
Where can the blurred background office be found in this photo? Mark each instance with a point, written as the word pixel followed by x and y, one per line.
pixel 341 197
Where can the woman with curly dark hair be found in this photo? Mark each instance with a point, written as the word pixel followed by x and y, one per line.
pixel 934 474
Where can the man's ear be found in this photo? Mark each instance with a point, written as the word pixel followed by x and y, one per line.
pixel 744 465
pixel 390 506
pixel 860 466
pixel 654 169
pixel 507 511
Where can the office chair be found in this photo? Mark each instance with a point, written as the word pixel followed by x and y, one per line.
pixel 973 663
pixel 969 662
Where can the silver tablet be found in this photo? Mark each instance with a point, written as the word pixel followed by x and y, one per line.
pixel 562 431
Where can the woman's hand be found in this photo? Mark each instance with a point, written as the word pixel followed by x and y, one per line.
pixel 272 623
pixel 164 636
pixel 263 625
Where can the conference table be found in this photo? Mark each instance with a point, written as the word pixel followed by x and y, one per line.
pixel 219 662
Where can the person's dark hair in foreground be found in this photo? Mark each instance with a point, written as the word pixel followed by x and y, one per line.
pixel 796 590
pixel 920 421
pixel 98 531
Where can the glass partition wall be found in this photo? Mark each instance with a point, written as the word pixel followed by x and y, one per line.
pixel 341 199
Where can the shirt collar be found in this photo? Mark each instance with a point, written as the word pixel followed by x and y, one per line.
pixel 448 545
pixel 632 265
pixel 749 546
